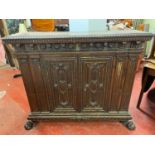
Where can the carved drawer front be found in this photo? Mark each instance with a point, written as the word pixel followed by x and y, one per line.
pixel 95 79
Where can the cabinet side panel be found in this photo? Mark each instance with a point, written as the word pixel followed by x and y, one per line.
pixel 118 82
pixel 28 83
pixel 39 86
pixel 132 63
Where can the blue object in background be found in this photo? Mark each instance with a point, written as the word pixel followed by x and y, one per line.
pixel 97 25
pixel 87 25
pixel 78 25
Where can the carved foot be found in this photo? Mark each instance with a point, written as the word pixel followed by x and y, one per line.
pixel 29 125
pixel 129 124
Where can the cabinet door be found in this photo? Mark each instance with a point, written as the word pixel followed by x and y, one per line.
pixel 95 79
pixel 60 81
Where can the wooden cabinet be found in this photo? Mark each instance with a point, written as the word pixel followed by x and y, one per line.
pixel 78 76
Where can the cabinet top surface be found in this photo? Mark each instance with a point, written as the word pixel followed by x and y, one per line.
pixel 61 35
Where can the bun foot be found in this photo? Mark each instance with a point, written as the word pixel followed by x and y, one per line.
pixel 129 124
pixel 29 125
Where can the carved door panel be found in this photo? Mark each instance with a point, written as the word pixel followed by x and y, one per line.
pixel 95 79
pixel 60 82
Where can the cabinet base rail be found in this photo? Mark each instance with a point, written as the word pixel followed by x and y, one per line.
pixel 123 117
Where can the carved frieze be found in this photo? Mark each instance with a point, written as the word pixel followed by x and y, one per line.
pixel 84 46
pixel 103 41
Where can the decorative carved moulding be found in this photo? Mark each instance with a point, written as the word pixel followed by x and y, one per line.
pixel 96 46
pixel 66 41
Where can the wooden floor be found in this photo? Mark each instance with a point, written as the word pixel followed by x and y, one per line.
pixel 14 109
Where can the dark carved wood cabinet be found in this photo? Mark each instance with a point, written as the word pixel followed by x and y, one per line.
pixel 78 75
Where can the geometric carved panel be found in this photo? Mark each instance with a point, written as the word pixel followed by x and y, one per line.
pixel 95 82
pixel 61 74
